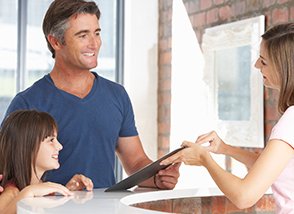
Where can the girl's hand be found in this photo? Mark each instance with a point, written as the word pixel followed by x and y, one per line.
pixel 43 189
pixel 80 182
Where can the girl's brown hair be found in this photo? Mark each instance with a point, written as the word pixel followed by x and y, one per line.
pixel 279 43
pixel 20 136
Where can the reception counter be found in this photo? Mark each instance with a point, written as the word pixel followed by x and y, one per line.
pixel 138 200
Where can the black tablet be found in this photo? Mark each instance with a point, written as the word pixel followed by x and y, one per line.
pixel 141 175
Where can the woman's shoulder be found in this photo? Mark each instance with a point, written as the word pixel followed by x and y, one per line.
pixel 283 129
pixel 288 114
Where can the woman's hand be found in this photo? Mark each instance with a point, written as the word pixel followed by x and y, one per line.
pixel 192 154
pixel 216 144
pixel 80 182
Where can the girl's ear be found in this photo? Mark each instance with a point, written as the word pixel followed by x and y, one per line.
pixel 53 42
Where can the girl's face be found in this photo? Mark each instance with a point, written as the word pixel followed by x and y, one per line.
pixel 270 78
pixel 47 156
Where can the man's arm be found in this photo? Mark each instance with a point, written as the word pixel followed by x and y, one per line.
pixel 132 156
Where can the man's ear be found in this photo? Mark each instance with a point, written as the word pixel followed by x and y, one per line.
pixel 54 42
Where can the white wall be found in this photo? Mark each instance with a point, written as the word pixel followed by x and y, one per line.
pixel 140 71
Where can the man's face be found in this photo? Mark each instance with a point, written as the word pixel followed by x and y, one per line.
pixel 82 43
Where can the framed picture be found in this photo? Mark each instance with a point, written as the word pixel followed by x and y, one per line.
pixel 235 85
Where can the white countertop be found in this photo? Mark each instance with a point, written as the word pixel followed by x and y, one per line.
pixel 98 201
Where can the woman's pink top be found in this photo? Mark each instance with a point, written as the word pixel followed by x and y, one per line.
pixel 283 187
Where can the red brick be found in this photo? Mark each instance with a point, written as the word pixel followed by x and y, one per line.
pixel 225 13
pixel 271 95
pixel 187 205
pixel 164 44
pixel 199 19
pixel 165 58
pixel 271 112
pixel 165 85
pixel 164 72
pixel 266 203
pixel 253 5
pixel 268 19
pixel 282 1
pixel 218 204
pixel 217 2
pixel 205 4
pixel 212 16
pixel 163 113
pixel 268 3
pixel 164 97
pixel 192 6
pixel 280 15
pixel 163 144
pixel 161 205
pixel 238 8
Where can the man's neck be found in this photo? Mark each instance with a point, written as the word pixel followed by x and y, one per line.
pixel 78 83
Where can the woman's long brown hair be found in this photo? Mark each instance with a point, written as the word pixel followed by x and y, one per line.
pixel 20 136
pixel 279 43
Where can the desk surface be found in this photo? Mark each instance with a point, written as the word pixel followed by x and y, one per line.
pixel 98 201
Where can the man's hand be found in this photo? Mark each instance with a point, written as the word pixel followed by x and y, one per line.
pixel 80 182
pixel 167 178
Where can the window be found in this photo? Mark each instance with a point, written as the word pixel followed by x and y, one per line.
pixel 8 44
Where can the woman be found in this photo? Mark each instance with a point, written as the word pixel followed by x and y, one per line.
pixel 275 165
pixel 28 148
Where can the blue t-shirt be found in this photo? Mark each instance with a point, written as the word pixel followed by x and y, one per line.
pixel 88 128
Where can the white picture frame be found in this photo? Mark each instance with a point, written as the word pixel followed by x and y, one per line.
pixel 235 85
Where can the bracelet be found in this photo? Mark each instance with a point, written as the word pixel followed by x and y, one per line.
pixel 154 181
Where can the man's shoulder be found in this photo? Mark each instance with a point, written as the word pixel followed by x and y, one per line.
pixel 109 84
pixel 37 87
pixel 35 93
pixel 107 81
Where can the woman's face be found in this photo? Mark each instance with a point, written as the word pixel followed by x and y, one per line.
pixel 263 63
pixel 47 156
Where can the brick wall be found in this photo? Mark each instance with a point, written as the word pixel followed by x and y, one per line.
pixel 208 205
pixel 204 14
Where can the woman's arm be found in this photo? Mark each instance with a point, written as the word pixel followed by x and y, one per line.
pixel 242 192
pixel 218 146
pixel 246 157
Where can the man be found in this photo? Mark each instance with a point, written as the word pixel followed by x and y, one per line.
pixel 94 115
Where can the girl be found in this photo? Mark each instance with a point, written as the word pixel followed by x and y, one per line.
pixel 275 165
pixel 28 148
